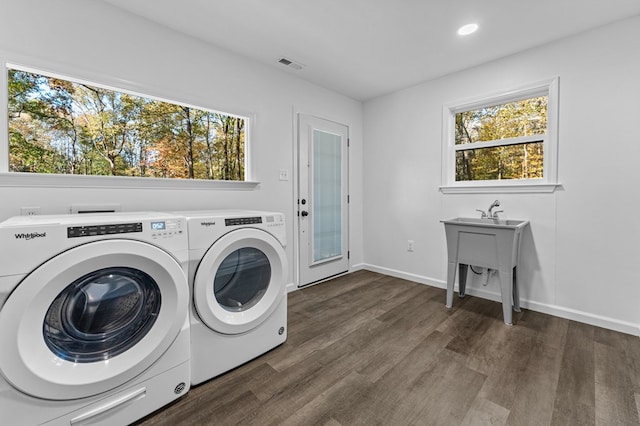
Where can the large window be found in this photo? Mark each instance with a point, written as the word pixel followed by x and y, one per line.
pixel 60 126
pixel 505 141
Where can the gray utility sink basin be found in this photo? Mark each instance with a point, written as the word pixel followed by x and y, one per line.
pixel 487 243
pixel 492 223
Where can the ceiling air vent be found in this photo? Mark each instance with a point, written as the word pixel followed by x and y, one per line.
pixel 289 63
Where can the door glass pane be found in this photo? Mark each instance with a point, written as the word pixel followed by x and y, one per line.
pixel 242 279
pixel 101 314
pixel 327 196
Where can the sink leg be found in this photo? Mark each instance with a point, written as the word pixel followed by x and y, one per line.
pixel 516 293
pixel 451 276
pixel 506 288
pixel 462 279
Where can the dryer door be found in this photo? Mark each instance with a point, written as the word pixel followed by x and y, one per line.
pixel 240 281
pixel 91 319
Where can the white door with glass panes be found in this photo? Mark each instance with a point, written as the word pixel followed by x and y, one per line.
pixel 322 198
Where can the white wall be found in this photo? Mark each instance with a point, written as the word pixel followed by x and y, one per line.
pixel 581 254
pixel 97 42
pixel 580 258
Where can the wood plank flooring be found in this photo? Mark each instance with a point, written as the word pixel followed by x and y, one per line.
pixel 368 349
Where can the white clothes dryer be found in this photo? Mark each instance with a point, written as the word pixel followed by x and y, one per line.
pixel 237 274
pixel 93 317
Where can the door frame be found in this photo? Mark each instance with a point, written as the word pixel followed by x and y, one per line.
pixel 295 114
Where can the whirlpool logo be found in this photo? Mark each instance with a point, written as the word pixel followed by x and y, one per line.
pixel 30 235
pixel 207 224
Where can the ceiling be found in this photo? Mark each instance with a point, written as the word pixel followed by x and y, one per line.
pixel 367 48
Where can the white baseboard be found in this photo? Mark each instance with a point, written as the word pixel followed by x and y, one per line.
pixel 555 310
pixel 406 276
pixel 357 267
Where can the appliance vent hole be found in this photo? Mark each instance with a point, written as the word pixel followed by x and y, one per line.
pixel 285 61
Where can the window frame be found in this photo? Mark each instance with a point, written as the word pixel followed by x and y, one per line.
pixel 21 179
pixel 549 181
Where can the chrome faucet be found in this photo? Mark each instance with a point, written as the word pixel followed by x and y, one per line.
pixel 494 215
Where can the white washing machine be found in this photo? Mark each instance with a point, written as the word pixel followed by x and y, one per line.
pixel 94 324
pixel 237 274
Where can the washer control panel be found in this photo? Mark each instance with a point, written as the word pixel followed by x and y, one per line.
pixel 93 230
pixel 165 228
pixel 157 229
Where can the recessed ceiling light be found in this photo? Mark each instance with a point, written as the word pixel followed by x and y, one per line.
pixel 467 29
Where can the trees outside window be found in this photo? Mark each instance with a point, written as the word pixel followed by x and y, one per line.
pixel 65 127
pixel 499 150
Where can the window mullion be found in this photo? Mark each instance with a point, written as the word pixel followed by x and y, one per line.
pixel 500 142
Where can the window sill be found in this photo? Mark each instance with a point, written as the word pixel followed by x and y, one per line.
pixel 118 182
pixel 501 188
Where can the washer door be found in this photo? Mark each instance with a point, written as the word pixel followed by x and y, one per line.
pixel 91 319
pixel 240 281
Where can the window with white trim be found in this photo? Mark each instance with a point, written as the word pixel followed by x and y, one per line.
pixel 65 126
pixel 504 141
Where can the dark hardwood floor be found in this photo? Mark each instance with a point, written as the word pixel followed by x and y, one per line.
pixel 369 349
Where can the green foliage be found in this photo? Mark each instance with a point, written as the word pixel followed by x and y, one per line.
pixel 527 117
pixel 58 126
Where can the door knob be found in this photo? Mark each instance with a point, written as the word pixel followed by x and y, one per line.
pixel 304 213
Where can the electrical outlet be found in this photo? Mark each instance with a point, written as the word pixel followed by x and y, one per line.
pixel 410 245
pixel 284 174
pixel 29 211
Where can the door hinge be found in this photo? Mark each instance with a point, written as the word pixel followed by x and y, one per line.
pixel 348 254
pixel 348 142
pixel 348 199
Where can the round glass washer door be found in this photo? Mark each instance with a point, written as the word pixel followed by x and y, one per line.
pixel 240 281
pixel 92 318
pixel 102 314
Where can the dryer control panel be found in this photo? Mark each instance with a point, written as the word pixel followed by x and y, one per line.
pixel 242 221
pixel 269 221
pixel 275 221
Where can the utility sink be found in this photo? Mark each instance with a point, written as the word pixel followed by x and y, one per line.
pixel 487 243
pixel 492 223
